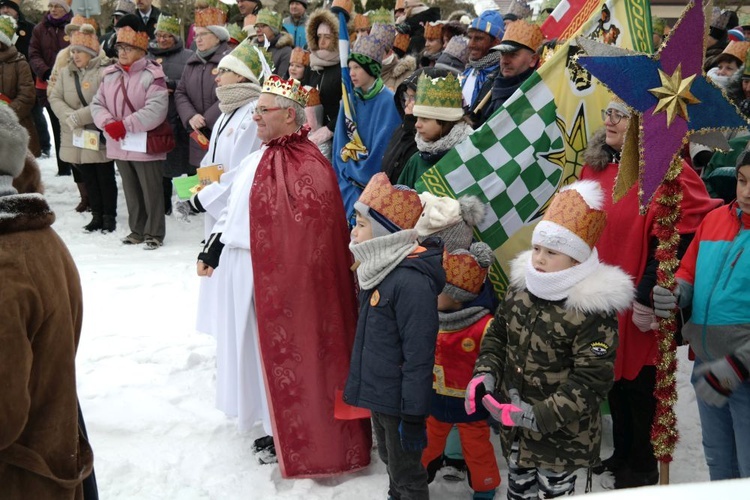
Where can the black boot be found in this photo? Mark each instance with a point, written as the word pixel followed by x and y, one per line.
pixel 83 205
pixel 95 224
pixel 109 223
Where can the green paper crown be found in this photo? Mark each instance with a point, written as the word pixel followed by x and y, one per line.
pixel 168 24
pixel 7 30
pixel 438 92
pixel 269 18
pixel 381 15
pixel 246 52
pixel 236 33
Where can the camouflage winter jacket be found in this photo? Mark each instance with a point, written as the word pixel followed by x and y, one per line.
pixel 560 356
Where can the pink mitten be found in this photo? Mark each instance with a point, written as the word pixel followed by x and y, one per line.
pixel 480 385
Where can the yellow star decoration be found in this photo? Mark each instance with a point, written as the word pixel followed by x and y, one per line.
pixel 674 94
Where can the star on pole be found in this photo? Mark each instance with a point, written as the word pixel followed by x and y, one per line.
pixel 674 94
pixel 672 107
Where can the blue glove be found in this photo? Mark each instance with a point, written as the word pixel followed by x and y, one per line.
pixel 413 432
pixel 718 379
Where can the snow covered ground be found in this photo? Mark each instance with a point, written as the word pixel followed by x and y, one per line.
pixel 146 382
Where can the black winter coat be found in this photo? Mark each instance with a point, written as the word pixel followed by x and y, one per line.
pixel 394 348
pixel 328 83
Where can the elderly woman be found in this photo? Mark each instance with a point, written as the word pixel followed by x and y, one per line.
pixel 195 95
pixel 70 100
pixel 173 56
pixel 325 73
pixel 47 39
pixel 16 82
pixel 280 43
pixel 132 100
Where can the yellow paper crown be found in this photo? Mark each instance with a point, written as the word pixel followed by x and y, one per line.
pixel 402 207
pixel 570 210
pixel 128 36
pixel 291 89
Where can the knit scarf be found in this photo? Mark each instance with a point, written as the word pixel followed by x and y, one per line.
pixel 6 185
pixel 320 59
pixel 379 256
pixel 205 55
pixel 58 23
pixel 435 150
pixel 463 318
pixel 235 95
pixel 374 90
pixel 556 286
pixel 485 62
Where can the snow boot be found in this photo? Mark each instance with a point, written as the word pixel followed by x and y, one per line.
pixel 95 224
pixel 83 205
pixel 109 223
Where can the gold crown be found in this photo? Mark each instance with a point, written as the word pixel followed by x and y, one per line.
pixel 299 56
pixel 524 33
pixel 570 210
pixel 401 41
pixel 128 36
pixel 738 50
pixel 211 16
pixel 291 89
pixel 400 206
pixel 463 271
pixel 77 21
pixel 313 96
pixel 433 30
pixel 361 22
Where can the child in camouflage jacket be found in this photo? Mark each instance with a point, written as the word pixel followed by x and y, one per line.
pixel 546 363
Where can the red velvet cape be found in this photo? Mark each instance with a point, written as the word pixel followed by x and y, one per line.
pixel 624 243
pixel 306 308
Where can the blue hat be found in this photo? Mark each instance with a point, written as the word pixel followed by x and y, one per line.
pixel 491 22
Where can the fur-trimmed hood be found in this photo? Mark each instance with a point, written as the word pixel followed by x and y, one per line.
pixel 398 68
pixel 317 18
pixel 284 40
pixel 24 212
pixel 598 155
pixel 608 290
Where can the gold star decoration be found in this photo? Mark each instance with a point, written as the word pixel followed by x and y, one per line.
pixel 674 94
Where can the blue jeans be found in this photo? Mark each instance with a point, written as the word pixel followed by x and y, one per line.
pixel 726 434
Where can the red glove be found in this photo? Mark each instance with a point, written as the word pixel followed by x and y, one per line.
pixel 116 130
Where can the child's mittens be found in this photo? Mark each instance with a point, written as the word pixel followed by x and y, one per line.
pixel 413 433
pixel 715 381
pixel 643 317
pixel 481 384
pixel 516 414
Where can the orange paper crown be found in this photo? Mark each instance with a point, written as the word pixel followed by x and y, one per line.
pixel 361 22
pixel 128 36
pixel 570 210
pixel 401 41
pixel 401 207
pixel 313 96
pixel 291 89
pixel 210 16
pixel 463 271
pixel 300 56
pixel 433 30
pixel 77 21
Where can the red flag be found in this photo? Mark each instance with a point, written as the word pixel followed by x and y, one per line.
pixel 568 17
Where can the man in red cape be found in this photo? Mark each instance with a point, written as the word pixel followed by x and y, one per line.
pixel 304 295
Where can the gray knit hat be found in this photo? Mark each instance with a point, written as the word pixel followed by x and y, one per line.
pixel 14 140
pixel 451 220
pixel 743 158
pixel 466 271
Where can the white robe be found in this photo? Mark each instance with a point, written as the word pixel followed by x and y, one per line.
pixel 238 138
pixel 240 387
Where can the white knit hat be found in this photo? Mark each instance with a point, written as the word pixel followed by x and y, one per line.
pixel 14 140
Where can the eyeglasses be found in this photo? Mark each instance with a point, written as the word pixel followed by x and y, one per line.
pixel 221 71
pixel 262 110
pixel 125 48
pixel 614 116
pixel 163 36
pixel 202 34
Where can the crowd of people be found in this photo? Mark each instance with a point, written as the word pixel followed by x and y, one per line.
pixel 422 343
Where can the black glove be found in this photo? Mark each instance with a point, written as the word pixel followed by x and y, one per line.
pixel 718 379
pixel 212 251
pixel 413 432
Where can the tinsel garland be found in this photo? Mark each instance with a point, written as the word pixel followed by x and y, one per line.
pixel 664 434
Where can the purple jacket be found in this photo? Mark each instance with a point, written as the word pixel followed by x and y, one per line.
pixel 196 94
pixel 46 41
pixel 147 90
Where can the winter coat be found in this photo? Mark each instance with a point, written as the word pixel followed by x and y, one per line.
pixel 716 269
pixel 147 90
pixel 431 153
pixel 173 63
pixel 40 326
pixel 296 29
pixel 560 357
pixel 17 84
pixel 24 30
pixel 397 71
pixel 281 50
pixel 46 41
pixel 502 89
pixel 328 79
pixel 196 94
pixel 64 102
pixel 400 148
pixel 394 347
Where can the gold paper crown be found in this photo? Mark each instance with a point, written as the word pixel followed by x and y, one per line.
pixel 463 271
pixel 524 33
pixel 400 206
pixel 168 24
pixel 313 96
pixel 433 30
pixel 291 89
pixel 211 16
pixel 77 21
pixel 738 50
pixel 439 92
pixel 570 210
pixel 347 5
pixel 361 22
pixel 86 37
pixel 381 15
pixel 401 41
pixel 299 56
pixel 128 36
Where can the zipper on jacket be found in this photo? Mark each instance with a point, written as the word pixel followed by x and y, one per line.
pixel 732 266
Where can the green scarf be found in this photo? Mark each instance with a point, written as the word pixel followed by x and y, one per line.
pixel 374 90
